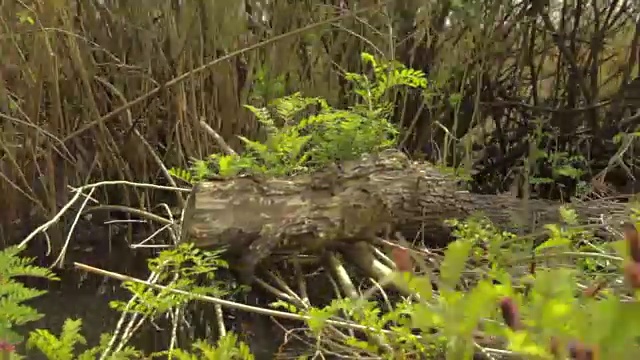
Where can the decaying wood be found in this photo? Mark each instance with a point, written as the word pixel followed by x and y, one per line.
pixel 253 216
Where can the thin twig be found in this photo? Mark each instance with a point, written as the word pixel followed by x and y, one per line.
pixel 225 303
pixel 219 140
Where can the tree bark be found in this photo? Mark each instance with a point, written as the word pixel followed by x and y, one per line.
pixel 254 216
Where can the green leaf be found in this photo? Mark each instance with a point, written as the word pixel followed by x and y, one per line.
pixel 520 342
pixel 421 285
pixel 454 262
pixel 317 319
pixel 620 247
pixel 478 303
pixel 553 242
pixel 569 215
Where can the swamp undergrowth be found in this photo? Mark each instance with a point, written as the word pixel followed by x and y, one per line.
pixel 477 300
pixel 490 292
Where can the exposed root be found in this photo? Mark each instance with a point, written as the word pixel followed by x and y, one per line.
pixel 342 276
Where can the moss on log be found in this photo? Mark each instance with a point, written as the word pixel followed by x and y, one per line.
pixel 254 216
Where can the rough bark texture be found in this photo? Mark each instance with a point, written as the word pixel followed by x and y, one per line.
pixel 253 216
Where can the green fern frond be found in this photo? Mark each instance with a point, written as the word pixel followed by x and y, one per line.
pixel 264 117
pixel 181 174
pixel 306 132
pixel 200 170
pixel 12 265
pixel 11 311
pixel 228 347
pixel 55 348
pixel 13 293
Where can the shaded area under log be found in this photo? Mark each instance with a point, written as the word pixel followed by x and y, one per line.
pixel 253 216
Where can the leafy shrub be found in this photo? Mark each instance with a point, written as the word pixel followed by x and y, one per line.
pixel 305 133
pixel 488 294
pixel 176 269
pixel 486 300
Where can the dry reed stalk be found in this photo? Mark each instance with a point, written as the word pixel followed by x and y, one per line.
pixel 63 51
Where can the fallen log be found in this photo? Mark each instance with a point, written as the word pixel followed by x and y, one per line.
pixel 252 216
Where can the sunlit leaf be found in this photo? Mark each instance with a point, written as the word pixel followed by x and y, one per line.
pixel 454 262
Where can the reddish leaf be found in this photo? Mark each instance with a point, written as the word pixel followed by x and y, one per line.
pixel 510 313
pixel 632 274
pixel 631 235
pixel 402 259
pixel 580 351
pixel 6 347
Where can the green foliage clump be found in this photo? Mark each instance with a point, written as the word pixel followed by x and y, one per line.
pixel 180 273
pixel 481 270
pixel 13 293
pixel 63 347
pixel 305 133
pixel 228 347
pixel 182 269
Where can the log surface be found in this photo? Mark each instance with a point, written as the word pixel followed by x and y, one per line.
pixel 254 216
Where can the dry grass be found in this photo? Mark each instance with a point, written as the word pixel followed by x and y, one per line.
pixel 65 65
